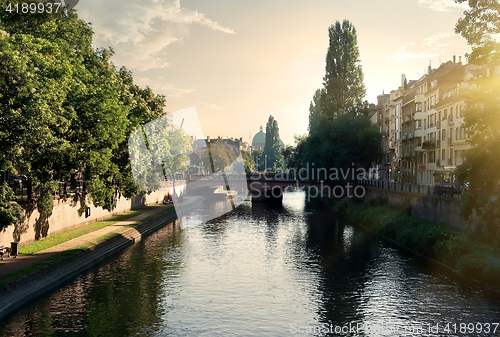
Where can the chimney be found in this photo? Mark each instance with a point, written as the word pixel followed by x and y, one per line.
pixel 208 139
pixel 403 78
pixel 241 139
pixel 460 59
pixel 454 58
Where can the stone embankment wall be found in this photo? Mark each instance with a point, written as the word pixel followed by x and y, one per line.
pixel 52 276
pixel 424 206
pixel 65 216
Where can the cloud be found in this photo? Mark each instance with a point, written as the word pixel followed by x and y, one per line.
pixel 442 5
pixel 140 32
pixel 401 56
pixel 434 39
pixel 211 106
pixel 160 87
pixel 430 47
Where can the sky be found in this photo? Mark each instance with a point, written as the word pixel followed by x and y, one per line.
pixel 238 62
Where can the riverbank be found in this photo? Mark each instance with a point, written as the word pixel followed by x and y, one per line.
pixel 458 252
pixel 69 263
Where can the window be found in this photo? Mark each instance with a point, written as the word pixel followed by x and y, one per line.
pixel 445 113
pixel 457 134
pixel 444 134
pixel 451 111
pixel 443 154
pixel 451 155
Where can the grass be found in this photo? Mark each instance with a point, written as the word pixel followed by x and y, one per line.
pixel 65 236
pixel 5 280
pixel 460 251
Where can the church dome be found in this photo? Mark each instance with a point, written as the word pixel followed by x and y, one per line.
pixel 259 138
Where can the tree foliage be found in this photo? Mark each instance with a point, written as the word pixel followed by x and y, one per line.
pixel 272 148
pixel 218 157
pixel 10 212
pixel 343 81
pixel 479 171
pixel 480 27
pixel 294 154
pixel 248 162
pixel 66 112
pixel 340 133
pixel 343 141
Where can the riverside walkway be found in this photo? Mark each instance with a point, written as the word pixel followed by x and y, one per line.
pixel 12 264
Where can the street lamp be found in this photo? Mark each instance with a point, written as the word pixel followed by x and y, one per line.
pixel 258 166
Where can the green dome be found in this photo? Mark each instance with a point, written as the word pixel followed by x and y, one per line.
pixel 259 138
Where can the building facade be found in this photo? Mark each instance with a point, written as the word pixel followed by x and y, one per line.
pixel 422 124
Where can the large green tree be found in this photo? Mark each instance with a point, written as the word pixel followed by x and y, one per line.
pixel 340 133
pixel 66 112
pixel 273 147
pixel 343 81
pixel 479 171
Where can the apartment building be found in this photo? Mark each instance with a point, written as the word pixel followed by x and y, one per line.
pixel 422 124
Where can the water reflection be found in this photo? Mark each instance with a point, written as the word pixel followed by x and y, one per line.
pixel 255 271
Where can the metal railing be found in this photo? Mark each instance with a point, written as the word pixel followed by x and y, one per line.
pixel 448 190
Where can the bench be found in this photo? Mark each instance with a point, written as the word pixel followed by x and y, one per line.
pixel 4 250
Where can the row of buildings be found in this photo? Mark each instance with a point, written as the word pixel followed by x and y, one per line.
pixel 422 124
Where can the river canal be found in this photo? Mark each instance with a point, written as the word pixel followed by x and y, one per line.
pixel 262 271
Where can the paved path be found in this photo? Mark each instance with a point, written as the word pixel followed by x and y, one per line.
pixel 12 264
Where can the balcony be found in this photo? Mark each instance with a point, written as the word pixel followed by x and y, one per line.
pixel 438 143
pixel 450 122
pixel 438 124
pixel 419 149
pixel 419 115
pixel 429 144
pixel 438 162
pixel 419 133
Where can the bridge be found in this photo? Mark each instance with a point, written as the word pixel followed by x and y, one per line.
pixel 262 188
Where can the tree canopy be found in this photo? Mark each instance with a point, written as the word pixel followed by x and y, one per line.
pixel 66 111
pixel 272 148
pixel 480 27
pixel 479 172
pixel 218 157
pixel 343 81
pixel 340 133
